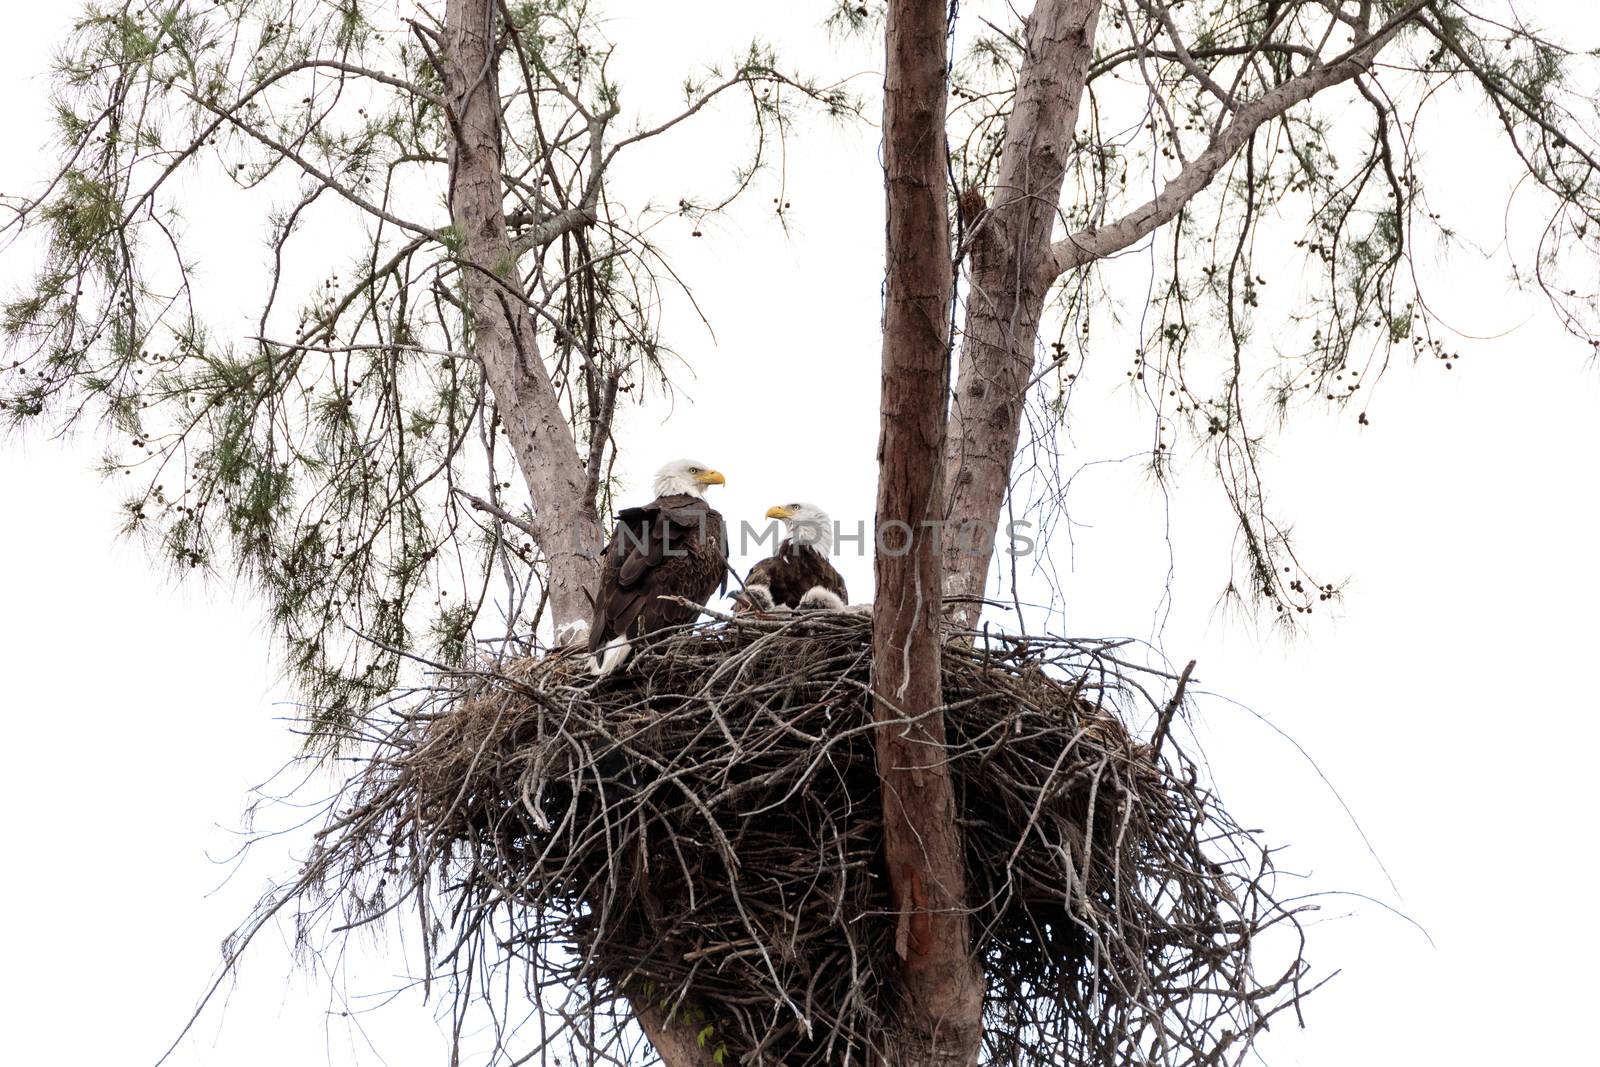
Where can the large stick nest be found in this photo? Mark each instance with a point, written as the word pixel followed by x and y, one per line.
pixel 700 836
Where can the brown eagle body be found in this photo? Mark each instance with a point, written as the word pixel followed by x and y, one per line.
pixel 674 546
pixel 793 571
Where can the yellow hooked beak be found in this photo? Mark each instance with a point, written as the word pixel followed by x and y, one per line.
pixel 778 511
pixel 711 478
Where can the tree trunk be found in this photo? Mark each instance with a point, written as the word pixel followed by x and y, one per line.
pixel 1013 263
pixel 940 994
pixel 503 335
pixel 504 339
pixel 676 1043
pixel 1010 276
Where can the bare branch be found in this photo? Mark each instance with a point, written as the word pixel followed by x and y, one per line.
pixel 1088 245
pixel 498 512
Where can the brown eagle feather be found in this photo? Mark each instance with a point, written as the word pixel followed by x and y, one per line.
pixel 793 571
pixel 676 545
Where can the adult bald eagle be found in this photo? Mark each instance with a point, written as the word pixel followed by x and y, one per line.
pixel 798 574
pixel 674 546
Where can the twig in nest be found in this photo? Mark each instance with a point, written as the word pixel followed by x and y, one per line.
pixel 1168 712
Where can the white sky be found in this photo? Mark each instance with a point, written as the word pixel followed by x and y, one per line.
pixel 1450 698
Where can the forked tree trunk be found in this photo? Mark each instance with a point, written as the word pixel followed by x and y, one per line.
pixel 503 334
pixel 1010 276
pixel 939 999
pixel 1014 263
pixel 927 550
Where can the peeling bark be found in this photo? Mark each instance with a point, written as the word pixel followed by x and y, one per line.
pixel 503 335
pixel 940 994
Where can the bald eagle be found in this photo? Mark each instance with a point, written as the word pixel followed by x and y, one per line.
pixel 674 546
pixel 798 574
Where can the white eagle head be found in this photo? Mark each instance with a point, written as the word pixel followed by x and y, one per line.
pixel 806 524
pixel 686 476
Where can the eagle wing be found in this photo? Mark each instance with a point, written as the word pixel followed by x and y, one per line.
pixel 762 573
pixel 793 571
pixel 674 546
pixel 828 577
